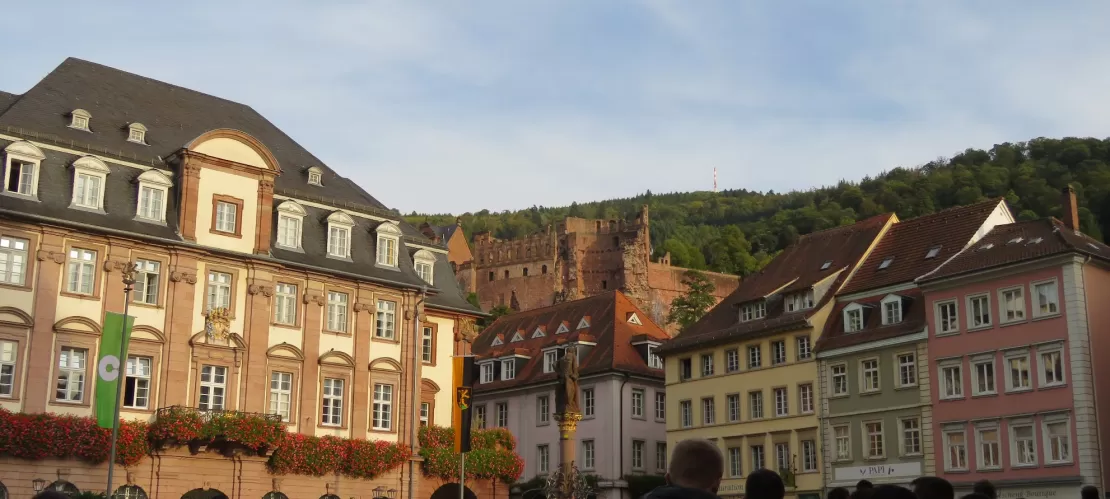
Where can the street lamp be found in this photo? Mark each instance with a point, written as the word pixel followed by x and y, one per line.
pixel 392 493
pixel 379 492
pixel 128 275
pixel 38 484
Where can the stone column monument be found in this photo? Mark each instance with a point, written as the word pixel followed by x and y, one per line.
pixel 567 414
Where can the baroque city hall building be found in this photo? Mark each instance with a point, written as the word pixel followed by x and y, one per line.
pixel 343 318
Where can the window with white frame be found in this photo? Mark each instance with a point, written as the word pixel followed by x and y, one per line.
pixel 782 456
pixel 979 311
pixel 907 369
pixel 487 372
pixel 782 402
pixel 734 462
pixel 13 260
pixel 72 363
pixel 550 359
pixel 1057 439
pixel 660 456
pixel 732 400
pixel 706 365
pixel 285 303
pixel 383 407
pixel 755 356
pixel 479 418
pixel 876 446
pixel 226 216
pixel 339 235
pixel 660 406
pixel 424 263
pixel 955 450
pixel 543 456
pixel 389 237
pixel 911 436
pixel 686 413
pixel 685 369
pixel 281 395
pixel 990 448
pixel 21 168
pixel 637 402
pixel 1023 444
pixel 799 301
pixel 337 311
pixel 213 386
pixel 753 311
pixel 425 413
pixel 588 402
pixel 147 274
pixel 79 119
pixel 708 411
pixel 892 310
pixel 315 176
pixel 1012 305
pixel 809 455
pixel 984 382
pixel 154 187
pixel 508 369
pixel 637 454
pixel 951 381
pixel 8 352
pixel 842 436
pixel 219 290
pixel 948 320
pixel 654 360
pixel 543 409
pixel 81 271
pixel 290 220
pixel 732 360
pixel 805 348
pixel 1052 366
pixel 427 344
pixel 853 318
pixel 869 376
pixel 136 388
pixel 89 176
pixel 778 352
pixel 1017 371
pixel 1046 299
pixel 755 405
pixel 588 454
pixel 805 398
pixel 839 374
pixel 332 403
pixel 759 458
pixel 386 323
pixel 136 133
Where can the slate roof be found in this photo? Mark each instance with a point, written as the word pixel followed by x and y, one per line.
pixel 909 241
pixel 608 327
pixel 798 267
pixel 913 321
pixel 6 100
pixel 1039 239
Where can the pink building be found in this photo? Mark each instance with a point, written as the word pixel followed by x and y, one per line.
pixel 1015 323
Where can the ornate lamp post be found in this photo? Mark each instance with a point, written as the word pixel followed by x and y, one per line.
pixel 128 287
pixel 566 482
pixel 38 484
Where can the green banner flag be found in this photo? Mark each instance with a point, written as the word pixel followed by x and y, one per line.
pixel 113 342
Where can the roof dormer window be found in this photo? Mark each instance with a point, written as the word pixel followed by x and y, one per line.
pixel 800 301
pixel 853 318
pixel 80 119
pixel 315 176
pixel 826 265
pixel 892 310
pixel 21 168
pixel 290 220
pixel 89 176
pixel 424 263
pixel 136 133
pixel 154 187
pixel 339 235
pixel 389 238
pixel 933 252
pixel 753 311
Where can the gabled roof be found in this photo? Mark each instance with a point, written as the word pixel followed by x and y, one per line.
pixel 608 328
pixel 909 241
pixel 1039 239
pixel 913 321
pixel 797 267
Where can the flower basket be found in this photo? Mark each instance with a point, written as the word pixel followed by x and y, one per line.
pixel 243 431
pixel 176 426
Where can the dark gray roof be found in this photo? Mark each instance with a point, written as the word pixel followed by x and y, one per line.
pixel 6 100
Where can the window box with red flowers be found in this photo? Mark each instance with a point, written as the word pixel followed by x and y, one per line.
pixel 492 455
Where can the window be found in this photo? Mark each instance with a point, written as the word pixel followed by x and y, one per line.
pixel 486 372
pixel 502 414
pixel 1023 447
pixel 383 408
pixel 427 343
pixel 826 265
pixel 886 262
pixel 637 454
pixel 955 456
pixel 289 231
pixel 22 177
pixel 1013 305
pixel 1046 299
pixel 82 271
pixel 805 349
pixel 732 360
pixel 219 290
pixel 755 356
pixel 782 407
pixel 782 456
pixel 425 413
pixel 799 301
pixel 843 436
pixel 285 303
pixel 588 402
pixel 734 468
pixel 654 360
pixel 892 310
pixel 333 402
pixel 638 402
pixel 87 189
pixel 686 413
pixel 660 456
pixel 755 401
pixel 707 365
pixel 71 374
pixel 13 260
pixel 8 352
pixel 543 409
pixel 907 369
pixel 588 454
pixel 984 377
pixel 508 369
pixel 911 436
pixel 839 379
pixel 339 241
pixel 805 398
pixel 708 411
pixel 733 402
pixel 809 455
pixel 213 384
pixel 387 313
pixel 550 358
pixel 952 384
pixel 685 369
pixel 853 320
pixel 947 319
pixel 136 389
pixel 778 352
pixel 1052 367
pixel 753 311
pixel 979 310
pixel 80 119
pixel 543 454
pixel 870 376
pixel 424 270
pixel 136 133
pixel 315 176
pixel 1017 372
pixel 933 252
pixel 281 395
pixel 1057 441
pixel 226 216
pixel 758 458
pixel 875 445
pixel 146 281
pixel 337 311
pixel 388 238
pixel 990 450
pixel 479 419
pixel 660 406
pixel 152 202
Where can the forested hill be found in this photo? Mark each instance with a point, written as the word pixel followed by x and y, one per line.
pixel 738 231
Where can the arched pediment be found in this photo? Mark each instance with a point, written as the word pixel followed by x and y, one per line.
pixel 233 341
pixel 25 149
pixel 91 163
pixel 388 227
pixel 424 256
pixel 234 145
pixel 338 217
pixel 153 333
pixel 137 126
pixel 79 325
pixel 285 350
pixel 385 364
pixel 292 207
pixel 429 386
pixel 11 316
pixel 335 357
pixel 156 177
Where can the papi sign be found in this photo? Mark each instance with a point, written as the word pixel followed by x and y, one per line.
pixel 877 471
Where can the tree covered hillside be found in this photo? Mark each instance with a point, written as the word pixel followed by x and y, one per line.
pixel 738 231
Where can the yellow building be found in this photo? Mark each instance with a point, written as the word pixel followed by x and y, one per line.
pixel 745 374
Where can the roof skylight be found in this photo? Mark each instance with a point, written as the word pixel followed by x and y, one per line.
pixel 933 252
pixel 1015 240
pixel 1035 240
pixel 987 246
pixel 886 262
pixel 825 266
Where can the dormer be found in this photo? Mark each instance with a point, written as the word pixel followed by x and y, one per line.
pixel 80 119
pixel 424 262
pixel 633 319
pixel 855 317
pixel 753 310
pixel 90 174
pixel 315 176
pixel 340 226
pixel 290 221
pixel 21 169
pixel 893 309
pixel 564 327
pixel 539 332
pixel 498 341
pixel 802 300
pixel 646 347
pixel 517 336
pixel 389 238
pixel 154 189
pixel 584 323
pixel 136 133
pixel 511 364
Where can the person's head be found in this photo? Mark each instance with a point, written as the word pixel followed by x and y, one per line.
pixel 931 487
pixel 51 494
pixel 864 493
pixel 696 464
pixel 764 484
pixel 864 484
pixel 974 495
pixel 986 488
pixel 1089 492
pixel 890 492
pixel 839 493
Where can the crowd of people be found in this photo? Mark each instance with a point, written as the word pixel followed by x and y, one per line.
pixel 697 467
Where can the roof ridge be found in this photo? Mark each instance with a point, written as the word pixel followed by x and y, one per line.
pixel 72 59
pixel 949 211
pixel 559 306
pixel 851 227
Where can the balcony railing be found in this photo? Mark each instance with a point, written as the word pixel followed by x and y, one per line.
pixel 227 431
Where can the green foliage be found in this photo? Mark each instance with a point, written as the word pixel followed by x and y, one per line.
pixel 739 231
pixel 688 308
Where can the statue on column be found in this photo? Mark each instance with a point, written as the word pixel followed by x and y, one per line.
pixel 566 398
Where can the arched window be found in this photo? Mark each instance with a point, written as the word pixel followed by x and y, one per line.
pixel 64 487
pixel 275 495
pixel 3 491
pixel 543 270
pixel 491 275
pixel 130 492
pixel 525 271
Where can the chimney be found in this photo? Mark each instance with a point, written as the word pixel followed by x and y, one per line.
pixel 1071 209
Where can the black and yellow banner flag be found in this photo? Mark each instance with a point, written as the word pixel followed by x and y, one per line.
pixel 463 374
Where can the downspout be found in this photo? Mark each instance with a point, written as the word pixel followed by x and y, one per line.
pixel 620 425
pixel 414 419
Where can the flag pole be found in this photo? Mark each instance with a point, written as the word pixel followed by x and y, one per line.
pixel 462 474
pixel 128 286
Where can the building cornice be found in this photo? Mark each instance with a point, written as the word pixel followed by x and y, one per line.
pixel 923 335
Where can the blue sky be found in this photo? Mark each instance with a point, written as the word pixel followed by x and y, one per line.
pixel 453 106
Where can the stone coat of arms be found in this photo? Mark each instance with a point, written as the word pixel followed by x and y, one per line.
pixel 217 324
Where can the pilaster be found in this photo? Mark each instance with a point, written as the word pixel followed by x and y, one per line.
pixel 264 224
pixel 314 301
pixel 51 255
pixel 180 296
pixel 190 197
pixel 364 327
pixel 256 328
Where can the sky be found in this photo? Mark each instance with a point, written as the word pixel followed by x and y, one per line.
pixel 456 106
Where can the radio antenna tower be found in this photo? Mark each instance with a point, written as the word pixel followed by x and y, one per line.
pixel 714 179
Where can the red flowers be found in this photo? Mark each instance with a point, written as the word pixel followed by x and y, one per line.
pixel 176 425
pixel 319 456
pixel 492 454
pixel 40 436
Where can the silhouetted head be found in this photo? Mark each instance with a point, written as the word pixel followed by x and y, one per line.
pixel 864 493
pixel 51 494
pixel 839 493
pixel 696 464
pixel 974 495
pixel 864 484
pixel 890 492
pixel 764 484
pixel 1089 492
pixel 986 488
pixel 931 487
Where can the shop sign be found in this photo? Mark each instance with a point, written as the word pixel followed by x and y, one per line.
pixel 1028 492
pixel 877 471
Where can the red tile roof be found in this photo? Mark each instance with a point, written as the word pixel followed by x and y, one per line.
pixel 798 267
pixel 1039 238
pixel 913 321
pixel 909 241
pixel 609 328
